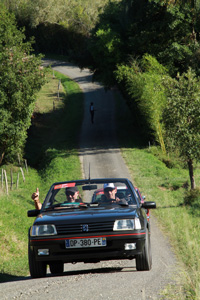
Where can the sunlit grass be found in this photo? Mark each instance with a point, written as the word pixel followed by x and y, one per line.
pixel 51 95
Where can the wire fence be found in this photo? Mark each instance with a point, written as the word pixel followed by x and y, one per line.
pixel 10 180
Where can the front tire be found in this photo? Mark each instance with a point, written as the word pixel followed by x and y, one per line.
pixel 144 260
pixel 56 267
pixel 37 268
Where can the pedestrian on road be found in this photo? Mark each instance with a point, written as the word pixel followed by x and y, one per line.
pixel 92 112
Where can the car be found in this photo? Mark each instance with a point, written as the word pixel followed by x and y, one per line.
pixel 142 199
pixel 88 231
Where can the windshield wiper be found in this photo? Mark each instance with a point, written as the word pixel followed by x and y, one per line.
pixel 67 205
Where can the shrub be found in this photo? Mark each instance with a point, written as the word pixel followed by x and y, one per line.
pixel 192 198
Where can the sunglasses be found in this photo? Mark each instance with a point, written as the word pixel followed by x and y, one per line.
pixel 108 190
pixel 70 194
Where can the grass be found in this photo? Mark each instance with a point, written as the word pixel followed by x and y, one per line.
pixel 167 185
pixel 52 155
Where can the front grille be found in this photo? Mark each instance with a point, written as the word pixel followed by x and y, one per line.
pixel 78 228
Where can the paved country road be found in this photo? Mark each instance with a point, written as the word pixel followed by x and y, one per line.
pixel 104 280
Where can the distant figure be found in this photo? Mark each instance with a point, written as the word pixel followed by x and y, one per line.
pixel 92 112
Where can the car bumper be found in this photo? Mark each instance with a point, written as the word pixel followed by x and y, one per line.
pixel 55 249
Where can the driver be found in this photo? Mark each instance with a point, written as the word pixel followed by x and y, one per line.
pixel 110 195
pixel 72 195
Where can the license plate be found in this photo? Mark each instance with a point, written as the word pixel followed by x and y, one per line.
pixel 85 243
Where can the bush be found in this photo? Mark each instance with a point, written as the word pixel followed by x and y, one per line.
pixel 192 198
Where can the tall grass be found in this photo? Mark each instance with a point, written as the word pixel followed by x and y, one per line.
pixel 165 183
pixel 52 148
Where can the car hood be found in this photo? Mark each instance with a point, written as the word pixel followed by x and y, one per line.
pixel 97 214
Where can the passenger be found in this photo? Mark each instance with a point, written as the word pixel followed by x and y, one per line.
pixel 72 195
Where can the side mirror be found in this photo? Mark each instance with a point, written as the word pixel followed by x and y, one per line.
pixel 33 212
pixel 148 205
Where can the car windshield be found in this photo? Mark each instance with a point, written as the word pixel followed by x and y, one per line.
pixel 84 193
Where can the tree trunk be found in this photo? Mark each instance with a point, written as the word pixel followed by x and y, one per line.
pixel 191 172
pixel 1 157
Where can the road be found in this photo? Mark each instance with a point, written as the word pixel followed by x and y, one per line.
pixel 105 280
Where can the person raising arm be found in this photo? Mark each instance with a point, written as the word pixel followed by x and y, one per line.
pixel 35 197
pixel 72 195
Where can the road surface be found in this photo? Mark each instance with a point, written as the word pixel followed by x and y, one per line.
pixel 106 280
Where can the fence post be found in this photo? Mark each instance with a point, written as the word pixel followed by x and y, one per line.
pixel 17 183
pixel 59 82
pixel 26 166
pixel 19 159
pixel 11 179
pixel 22 174
pixel 2 179
pixel 6 181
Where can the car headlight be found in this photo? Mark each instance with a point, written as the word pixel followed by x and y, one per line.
pixel 40 230
pixel 128 224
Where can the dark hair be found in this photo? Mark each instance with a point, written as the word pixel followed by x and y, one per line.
pixel 72 189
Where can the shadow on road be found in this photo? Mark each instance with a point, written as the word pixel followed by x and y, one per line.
pixel 9 278
pixel 99 271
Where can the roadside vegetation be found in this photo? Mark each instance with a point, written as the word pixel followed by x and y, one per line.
pixel 165 180
pixel 52 154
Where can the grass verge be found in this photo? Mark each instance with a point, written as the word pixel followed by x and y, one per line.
pixel 52 148
pixel 167 185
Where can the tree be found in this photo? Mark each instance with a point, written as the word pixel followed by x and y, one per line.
pixel 20 78
pixel 182 117
pixel 162 29
pixel 144 85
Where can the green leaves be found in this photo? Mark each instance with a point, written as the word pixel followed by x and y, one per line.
pixel 21 77
pixel 182 114
pixel 144 85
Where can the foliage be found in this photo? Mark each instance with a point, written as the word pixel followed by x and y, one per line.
pixel 144 85
pixel 63 164
pixel 80 14
pixel 153 27
pixel 106 45
pixel 20 77
pixel 192 198
pixel 182 115
pixel 60 27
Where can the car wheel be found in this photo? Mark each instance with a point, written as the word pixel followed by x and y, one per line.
pixel 37 268
pixel 144 260
pixel 56 267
